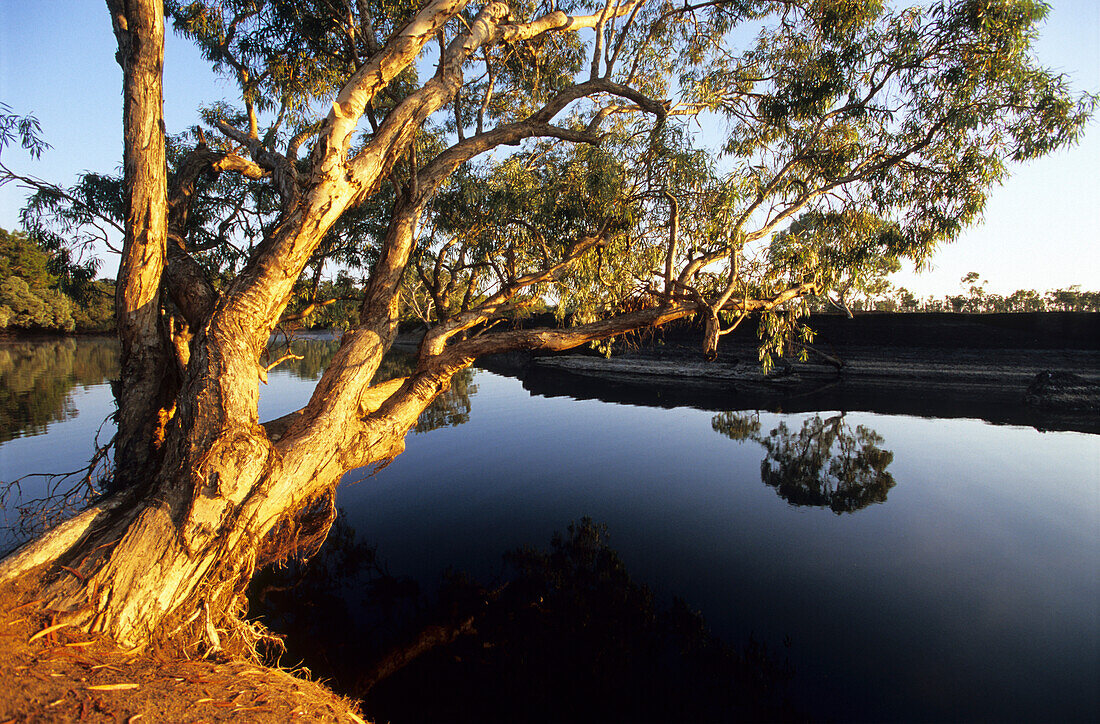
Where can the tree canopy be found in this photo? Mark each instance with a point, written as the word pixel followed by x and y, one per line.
pixel 876 129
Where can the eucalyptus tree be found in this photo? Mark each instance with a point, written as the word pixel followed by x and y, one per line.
pixel 850 253
pixel 486 156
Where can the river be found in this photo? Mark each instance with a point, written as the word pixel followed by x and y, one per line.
pixel 905 568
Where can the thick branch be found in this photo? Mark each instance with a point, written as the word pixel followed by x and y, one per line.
pixel 561 339
pixel 282 169
pixel 373 76
pixel 558 21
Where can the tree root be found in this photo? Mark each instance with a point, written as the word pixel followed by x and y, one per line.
pixel 54 544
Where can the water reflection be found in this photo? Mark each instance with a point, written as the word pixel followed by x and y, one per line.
pixel 36 379
pixel 825 464
pixel 450 408
pixel 999 404
pixel 310 355
pixel 971 597
pixel 565 634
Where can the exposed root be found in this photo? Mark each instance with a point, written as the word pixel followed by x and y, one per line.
pixel 301 533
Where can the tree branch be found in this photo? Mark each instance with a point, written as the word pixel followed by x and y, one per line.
pixel 283 171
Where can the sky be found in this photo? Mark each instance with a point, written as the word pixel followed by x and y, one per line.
pixel 57 63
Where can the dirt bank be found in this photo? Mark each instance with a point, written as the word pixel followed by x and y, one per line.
pixel 65 675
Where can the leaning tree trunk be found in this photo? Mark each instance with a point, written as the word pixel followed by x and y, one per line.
pixel 224 499
pixel 228 491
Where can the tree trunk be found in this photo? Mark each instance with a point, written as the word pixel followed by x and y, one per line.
pixel 207 492
pixel 183 553
pixel 139 29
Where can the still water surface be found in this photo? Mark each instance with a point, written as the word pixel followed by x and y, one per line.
pixel 951 571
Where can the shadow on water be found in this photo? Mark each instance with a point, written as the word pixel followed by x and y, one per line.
pixel 37 379
pixel 564 634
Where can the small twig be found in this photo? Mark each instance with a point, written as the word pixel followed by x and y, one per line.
pixel 276 363
pixel 211 632
pixel 75 572
pixel 48 630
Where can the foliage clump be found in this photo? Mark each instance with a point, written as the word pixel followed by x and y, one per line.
pixel 42 289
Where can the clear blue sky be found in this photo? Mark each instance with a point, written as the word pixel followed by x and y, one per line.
pixel 57 62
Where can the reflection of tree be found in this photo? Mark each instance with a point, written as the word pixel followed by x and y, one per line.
pixel 37 377
pixel 737 426
pixel 323 607
pixel 450 408
pixel 825 464
pixel 311 356
pixel 568 636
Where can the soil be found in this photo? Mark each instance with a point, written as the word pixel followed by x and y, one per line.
pixel 66 675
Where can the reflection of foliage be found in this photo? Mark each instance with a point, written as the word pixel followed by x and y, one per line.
pixel 450 408
pixel 569 637
pixel 36 382
pixel 825 464
pixel 313 355
pixel 314 604
pixel 736 426
pixel 36 378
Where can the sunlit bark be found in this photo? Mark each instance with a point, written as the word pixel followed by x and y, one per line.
pixel 139 29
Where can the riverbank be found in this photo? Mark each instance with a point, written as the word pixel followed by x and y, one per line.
pixel 1040 371
pixel 1005 388
pixel 66 675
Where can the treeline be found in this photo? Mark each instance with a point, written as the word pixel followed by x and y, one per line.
pixel 975 300
pixel 45 289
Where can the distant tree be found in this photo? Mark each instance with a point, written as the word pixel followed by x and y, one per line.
pixel 1068 299
pixel 95 309
pixel 41 289
pixel 21 257
pixel 21 306
pixel 1025 300
pixel 906 301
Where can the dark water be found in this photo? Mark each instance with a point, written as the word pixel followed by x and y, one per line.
pixel 906 568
